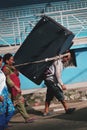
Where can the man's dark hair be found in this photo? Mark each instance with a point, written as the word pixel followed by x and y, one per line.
pixel 6 57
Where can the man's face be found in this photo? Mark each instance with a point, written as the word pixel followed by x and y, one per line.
pixel 67 58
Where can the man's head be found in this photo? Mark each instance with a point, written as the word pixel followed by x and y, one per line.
pixel 8 59
pixel 66 57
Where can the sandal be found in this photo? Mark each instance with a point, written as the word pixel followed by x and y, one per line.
pixel 70 110
pixel 30 120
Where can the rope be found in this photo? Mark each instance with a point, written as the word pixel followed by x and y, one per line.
pixel 44 60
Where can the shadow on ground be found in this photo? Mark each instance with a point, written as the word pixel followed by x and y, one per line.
pixel 78 115
pixel 35 112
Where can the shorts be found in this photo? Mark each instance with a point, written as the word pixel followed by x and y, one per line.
pixel 53 90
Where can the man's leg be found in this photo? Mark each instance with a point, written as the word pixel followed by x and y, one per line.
pixel 47 104
pixel 67 109
pixel 60 96
pixel 64 105
pixel 49 97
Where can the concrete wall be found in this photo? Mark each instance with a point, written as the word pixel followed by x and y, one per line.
pixel 77 73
